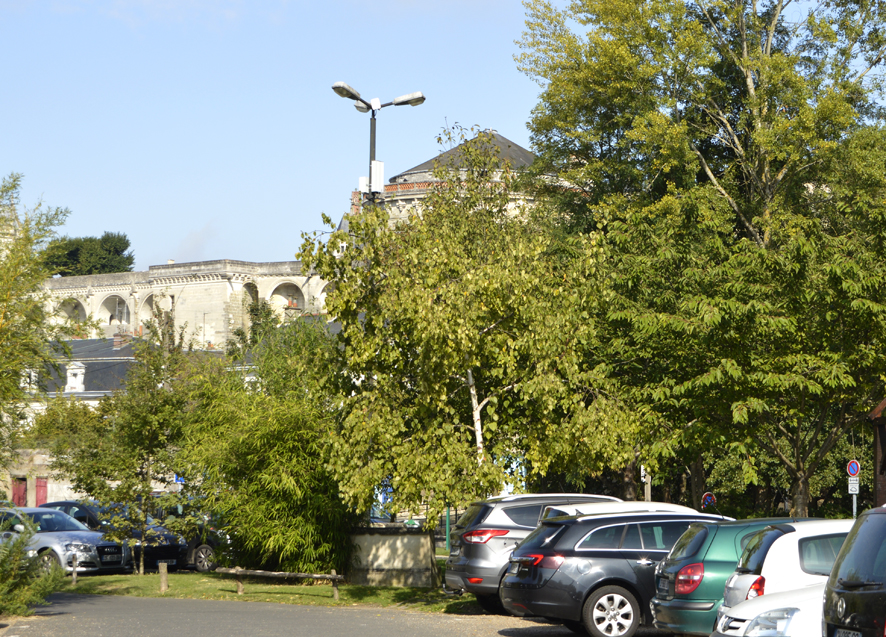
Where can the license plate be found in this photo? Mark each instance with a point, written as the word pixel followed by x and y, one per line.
pixel 842 632
pixel 663 586
pixel 111 558
pixel 167 561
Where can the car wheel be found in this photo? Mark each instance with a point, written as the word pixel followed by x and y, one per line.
pixel 491 604
pixel 49 560
pixel 611 611
pixel 577 627
pixel 204 558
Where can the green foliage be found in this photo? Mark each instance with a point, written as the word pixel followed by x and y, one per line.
pixel 24 582
pixel 27 335
pixel 262 319
pixel 731 164
pixel 75 256
pixel 121 452
pixel 255 450
pixel 461 334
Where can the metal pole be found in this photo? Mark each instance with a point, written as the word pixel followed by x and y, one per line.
pixel 448 546
pixel 854 506
pixel 371 154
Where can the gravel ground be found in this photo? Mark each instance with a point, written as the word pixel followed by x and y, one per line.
pixel 117 616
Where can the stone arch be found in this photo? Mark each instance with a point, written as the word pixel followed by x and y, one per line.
pixel 146 310
pixel 71 309
pixel 114 310
pixel 287 297
pixel 250 292
pixel 321 298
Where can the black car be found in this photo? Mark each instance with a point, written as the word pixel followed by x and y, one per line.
pixel 201 531
pixel 593 572
pixel 161 546
pixel 482 540
pixel 855 595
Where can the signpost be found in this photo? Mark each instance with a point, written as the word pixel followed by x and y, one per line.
pixel 853 468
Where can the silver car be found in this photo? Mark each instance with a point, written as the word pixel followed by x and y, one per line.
pixel 58 538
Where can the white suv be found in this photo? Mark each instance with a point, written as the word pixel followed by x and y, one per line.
pixel 784 557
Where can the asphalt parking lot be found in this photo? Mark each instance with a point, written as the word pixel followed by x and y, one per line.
pixel 117 616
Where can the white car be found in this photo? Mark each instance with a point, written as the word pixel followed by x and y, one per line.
pixel 794 613
pixel 593 508
pixel 784 557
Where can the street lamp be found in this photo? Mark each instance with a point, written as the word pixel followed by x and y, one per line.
pixel 374 105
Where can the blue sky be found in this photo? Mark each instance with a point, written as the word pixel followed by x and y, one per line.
pixel 208 129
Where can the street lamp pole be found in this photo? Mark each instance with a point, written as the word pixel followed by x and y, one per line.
pixel 374 105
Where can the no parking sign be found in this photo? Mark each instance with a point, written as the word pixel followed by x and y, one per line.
pixel 853 468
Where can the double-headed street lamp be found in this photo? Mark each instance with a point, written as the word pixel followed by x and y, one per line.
pixel 375 105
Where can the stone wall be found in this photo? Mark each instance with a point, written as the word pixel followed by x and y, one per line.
pixel 394 557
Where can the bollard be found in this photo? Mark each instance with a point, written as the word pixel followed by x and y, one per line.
pixel 74 572
pixel 239 582
pixel 164 577
pixel 334 587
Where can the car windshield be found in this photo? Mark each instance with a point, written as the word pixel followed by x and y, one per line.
pixel 52 521
pixel 754 554
pixel 863 557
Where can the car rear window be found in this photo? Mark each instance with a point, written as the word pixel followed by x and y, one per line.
pixel 818 554
pixel 475 514
pixel 661 536
pixel 754 554
pixel 524 515
pixel 863 557
pixel 690 542
pixel 542 537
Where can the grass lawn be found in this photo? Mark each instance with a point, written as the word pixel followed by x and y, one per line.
pixel 190 585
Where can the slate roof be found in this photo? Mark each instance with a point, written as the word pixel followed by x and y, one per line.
pixel 105 366
pixel 517 156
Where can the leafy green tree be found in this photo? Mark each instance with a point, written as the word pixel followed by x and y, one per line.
pixel 730 158
pixel 121 452
pixel 459 330
pixel 262 319
pixel 24 582
pixel 74 256
pixel 256 450
pixel 28 336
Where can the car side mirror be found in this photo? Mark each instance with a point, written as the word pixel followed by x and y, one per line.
pixel 19 528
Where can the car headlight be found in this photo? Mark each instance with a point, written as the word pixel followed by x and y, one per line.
pixel 79 547
pixel 771 623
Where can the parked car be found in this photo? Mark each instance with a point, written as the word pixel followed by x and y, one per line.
pixel 203 539
pixel 594 508
pixel 855 594
pixel 161 546
pixel 593 572
pixel 58 538
pixel 689 582
pixel 482 540
pixel 782 557
pixel 793 613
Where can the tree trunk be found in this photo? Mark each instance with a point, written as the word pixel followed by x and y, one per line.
pixel 800 497
pixel 696 471
pixel 475 413
pixel 629 481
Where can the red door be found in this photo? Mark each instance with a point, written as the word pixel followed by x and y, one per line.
pixel 41 491
pixel 20 492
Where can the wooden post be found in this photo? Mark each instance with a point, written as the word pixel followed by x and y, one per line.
pixel 74 573
pixel 878 421
pixel 239 581
pixel 164 577
pixel 334 586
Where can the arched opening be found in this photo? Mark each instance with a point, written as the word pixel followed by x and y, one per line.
pixel 287 297
pixel 250 291
pixel 72 309
pixel 113 314
pixel 328 289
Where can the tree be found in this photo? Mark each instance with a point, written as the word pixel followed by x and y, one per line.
pixel 256 451
pixel 74 256
pixel 28 338
pixel 262 319
pixel 458 333
pixel 729 157
pixel 24 581
pixel 121 452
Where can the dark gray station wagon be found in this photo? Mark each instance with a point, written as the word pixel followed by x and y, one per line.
pixel 482 540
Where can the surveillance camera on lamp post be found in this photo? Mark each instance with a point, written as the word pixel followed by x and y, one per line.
pixel 376 180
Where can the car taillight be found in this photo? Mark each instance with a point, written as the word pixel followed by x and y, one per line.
pixel 757 588
pixel 482 536
pixel 688 578
pixel 545 561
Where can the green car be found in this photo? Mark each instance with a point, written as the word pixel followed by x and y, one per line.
pixel 689 582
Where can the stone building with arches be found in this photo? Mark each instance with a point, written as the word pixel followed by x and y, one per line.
pixel 208 297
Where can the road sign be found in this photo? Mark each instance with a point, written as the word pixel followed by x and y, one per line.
pixel 853 488
pixel 853 468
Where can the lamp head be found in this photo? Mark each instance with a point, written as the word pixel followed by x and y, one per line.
pixel 343 90
pixel 412 99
